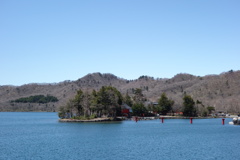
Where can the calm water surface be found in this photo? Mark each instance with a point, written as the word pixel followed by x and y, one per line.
pixel 41 136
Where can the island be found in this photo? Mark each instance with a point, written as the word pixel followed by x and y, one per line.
pixel 108 104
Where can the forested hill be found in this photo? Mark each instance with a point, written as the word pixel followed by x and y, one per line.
pixel 221 91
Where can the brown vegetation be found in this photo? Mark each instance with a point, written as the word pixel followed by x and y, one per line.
pixel 220 91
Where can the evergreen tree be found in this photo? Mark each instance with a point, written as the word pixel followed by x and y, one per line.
pixel 78 102
pixel 139 109
pixel 189 109
pixel 109 100
pixel 165 104
pixel 210 109
pixel 36 99
pixel 69 108
pixel 128 100
pixel 62 112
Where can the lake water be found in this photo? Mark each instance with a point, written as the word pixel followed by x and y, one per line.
pixel 41 136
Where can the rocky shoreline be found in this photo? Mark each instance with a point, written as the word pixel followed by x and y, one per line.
pixel 120 118
pixel 90 120
pixel 133 118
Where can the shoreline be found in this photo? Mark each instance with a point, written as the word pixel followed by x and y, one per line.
pixel 90 120
pixel 139 118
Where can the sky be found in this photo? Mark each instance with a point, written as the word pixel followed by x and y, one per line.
pixel 49 41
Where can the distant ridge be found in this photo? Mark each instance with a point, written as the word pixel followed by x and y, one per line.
pixel 221 91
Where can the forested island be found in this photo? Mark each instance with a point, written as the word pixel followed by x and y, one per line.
pixel 109 103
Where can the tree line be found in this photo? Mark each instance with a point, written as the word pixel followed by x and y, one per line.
pixel 105 102
pixel 108 101
pixel 36 99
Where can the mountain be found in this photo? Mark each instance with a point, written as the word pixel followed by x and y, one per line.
pixel 221 91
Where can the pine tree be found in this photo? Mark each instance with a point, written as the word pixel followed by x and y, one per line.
pixel 165 104
pixel 189 109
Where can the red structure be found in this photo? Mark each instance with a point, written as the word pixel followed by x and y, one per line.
pixel 136 119
pixel 125 111
pixel 191 120
pixel 223 121
pixel 162 119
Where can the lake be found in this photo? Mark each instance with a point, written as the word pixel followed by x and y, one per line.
pixel 40 136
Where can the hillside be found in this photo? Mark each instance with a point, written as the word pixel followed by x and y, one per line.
pixel 221 91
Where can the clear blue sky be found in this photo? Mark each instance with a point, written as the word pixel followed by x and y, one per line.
pixel 56 40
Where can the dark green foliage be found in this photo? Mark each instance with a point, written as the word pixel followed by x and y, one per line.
pixel 205 113
pixel 210 109
pixel 128 100
pixel 164 104
pixel 189 109
pixel 145 77
pixel 156 109
pixel 85 117
pixel 62 112
pixel 139 109
pixel 107 101
pixel 36 99
pixel 138 91
pixel 78 102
